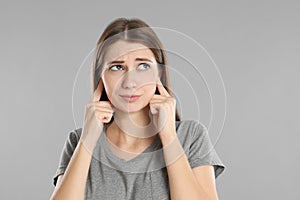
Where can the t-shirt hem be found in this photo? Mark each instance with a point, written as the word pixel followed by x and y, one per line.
pixel 218 167
pixel 59 171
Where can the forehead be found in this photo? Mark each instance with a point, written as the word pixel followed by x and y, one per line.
pixel 122 50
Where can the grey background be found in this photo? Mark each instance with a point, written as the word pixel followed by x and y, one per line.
pixel 254 43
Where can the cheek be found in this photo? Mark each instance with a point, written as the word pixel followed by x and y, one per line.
pixel 149 91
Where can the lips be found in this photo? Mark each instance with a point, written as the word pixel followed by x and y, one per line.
pixel 130 98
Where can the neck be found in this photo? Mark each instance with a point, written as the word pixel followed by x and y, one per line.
pixel 139 118
pixel 132 131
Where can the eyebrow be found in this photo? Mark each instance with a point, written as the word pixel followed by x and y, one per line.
pixel 121 61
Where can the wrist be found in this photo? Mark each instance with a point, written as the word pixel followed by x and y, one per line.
pixel 172 149
pixel 167 137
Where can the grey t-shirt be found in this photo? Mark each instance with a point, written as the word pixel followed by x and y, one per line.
pixel 145 176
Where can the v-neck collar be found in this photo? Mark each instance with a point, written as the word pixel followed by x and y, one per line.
pixel 150 148
pixel 151 159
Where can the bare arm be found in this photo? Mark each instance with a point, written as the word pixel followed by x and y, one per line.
pixel 183 183
pixel 59 179
pixel 182 180
pixel 73 182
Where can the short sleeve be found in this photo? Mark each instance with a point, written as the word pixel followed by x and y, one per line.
pixel 66 154
pixel 202 151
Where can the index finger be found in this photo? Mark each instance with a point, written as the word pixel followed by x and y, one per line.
pixel 98 91
pixel 162 90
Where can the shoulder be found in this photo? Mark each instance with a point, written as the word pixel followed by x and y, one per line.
pixel 190 129
pixel 190 125
pixel 74 135
pixel 77 132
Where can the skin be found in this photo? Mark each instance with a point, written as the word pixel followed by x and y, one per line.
pixel 131 120
pixel 185 183
pixel 151 112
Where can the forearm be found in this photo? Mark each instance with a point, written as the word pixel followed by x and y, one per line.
pixel 183 183
pixel 72 185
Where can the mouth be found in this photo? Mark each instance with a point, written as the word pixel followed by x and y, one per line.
pixel 130 98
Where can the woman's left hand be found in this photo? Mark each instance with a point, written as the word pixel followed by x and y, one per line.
pixel 163 109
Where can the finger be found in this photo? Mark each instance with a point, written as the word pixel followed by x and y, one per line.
pixel 162 89
pixel 98 91
pixel 154 109
pixel 104 104
pixel 156 101
pixel 101 109
pixel 158 97
pixel 104 117
pixel 103 114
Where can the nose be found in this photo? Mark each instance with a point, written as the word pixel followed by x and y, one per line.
pixel 129 80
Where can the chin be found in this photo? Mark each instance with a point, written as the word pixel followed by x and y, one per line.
pixel 130 107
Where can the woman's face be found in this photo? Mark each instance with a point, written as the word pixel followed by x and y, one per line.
pixel 129 69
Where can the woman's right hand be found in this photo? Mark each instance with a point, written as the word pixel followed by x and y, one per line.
pixel 96 113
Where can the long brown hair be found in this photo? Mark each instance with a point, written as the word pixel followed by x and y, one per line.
pixel 131 30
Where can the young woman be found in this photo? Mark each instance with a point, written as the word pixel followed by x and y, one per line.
pixel 133 144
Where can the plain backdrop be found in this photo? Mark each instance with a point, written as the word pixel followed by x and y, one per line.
pixel 255 44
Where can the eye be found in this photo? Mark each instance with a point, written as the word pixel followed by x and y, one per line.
pixel 144 66
pixel 115 66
